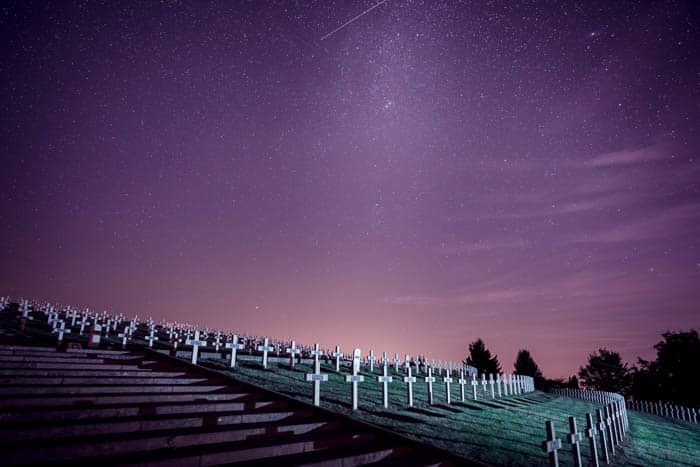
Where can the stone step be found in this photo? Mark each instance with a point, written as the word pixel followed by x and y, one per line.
pixel 77 356
pixel 370 453
pixel 29 348
pixel 100 351
pixel 24 390
pixel 81 413
pixel 268 437
pixel 265 451
pixel 65 366
pixel 114 373
pixel 57 358
pixel 90 400
pixel 76 380
pixel 85 428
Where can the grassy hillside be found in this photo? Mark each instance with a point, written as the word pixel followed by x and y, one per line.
pixel 505 431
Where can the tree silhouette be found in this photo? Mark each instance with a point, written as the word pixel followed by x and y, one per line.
pixel 605 372
pixel 525 365
pixel 673 375
pixel 480 358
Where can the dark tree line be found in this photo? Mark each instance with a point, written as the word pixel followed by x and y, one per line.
pixel 673 376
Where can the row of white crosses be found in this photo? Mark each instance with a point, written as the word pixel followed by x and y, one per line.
pixel 665 409
pixel 611 428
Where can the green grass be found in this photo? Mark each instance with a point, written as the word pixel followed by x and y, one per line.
pixel 506 431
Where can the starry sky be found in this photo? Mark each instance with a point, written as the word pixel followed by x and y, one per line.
pixel 433 172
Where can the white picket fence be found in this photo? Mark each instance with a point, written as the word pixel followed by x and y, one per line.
pixel 666 409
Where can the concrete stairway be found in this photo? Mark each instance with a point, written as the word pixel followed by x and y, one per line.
pixel 96 407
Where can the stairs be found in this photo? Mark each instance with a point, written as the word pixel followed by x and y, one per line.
pixel 97 407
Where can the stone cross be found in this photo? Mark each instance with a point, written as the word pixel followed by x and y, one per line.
pixel 354 378
pixel 591 433
pixel 475 383
pixel 196 344
pixel 504 379
pixel 551 445
pixel 83 322
pixel 409 380
pixel 371 358
pixel 602 429
pixel 407 361
pixel 337 355
pixel 385 379
pixel 461 382
pixel 234 346
pixel 151 337
pixel 61 330
pixel 430 379
pixel 293 350
pixel 316 353
pixel 447 379
pixel 498 384
pixel 217 341
pixel 574 438
pixel 385 360
pixel 484 383
pixel 73 315
pixel 396 361
pixel 610 430
pixel 124 335
pixel 317 377
pixel 491 382
pixel 265 348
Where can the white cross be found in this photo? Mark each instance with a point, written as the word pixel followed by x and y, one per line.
pixel 498 384
pixel 217 341
pixel 151 337
pixel 396 361
pixel 316 353
pixel 292 351
pixel 316 376
pixel 461 382
pixel 385 379
pixel 371 358
pixel 354 378
pixel 73 314
pixel 196 344
pixel 61 330
pixel 407 361
pixel 265 348
pixel 234 346
pixel 591 434
pixel 124 335
pixel 447 380
pixel 483 382
pixel 430 379
pixel 493 395
pixel 384 359
pixel 551 445
pixel 409 380
pixel 574 438
pixel 475 383
pixel 337 355
pixel 83 322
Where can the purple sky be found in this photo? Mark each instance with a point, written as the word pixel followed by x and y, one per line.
pixel 434 172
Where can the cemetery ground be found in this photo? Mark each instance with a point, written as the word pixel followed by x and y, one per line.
pixel 506 431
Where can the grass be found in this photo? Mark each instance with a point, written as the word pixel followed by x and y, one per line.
pixel 506 431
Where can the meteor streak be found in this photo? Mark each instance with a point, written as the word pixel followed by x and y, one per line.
pixel 352 20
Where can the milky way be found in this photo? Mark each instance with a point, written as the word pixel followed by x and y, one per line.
pixel 524 172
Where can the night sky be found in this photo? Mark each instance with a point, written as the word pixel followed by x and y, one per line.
pixel 433 172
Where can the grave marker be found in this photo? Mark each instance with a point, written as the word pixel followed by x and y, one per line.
pixel 574 438
pixel 385 379
pixel 462 382
pixel 591 433
pixel 447 379
pixel 430 379
pixel 601 433
pixel 292 351
pixel 234 346
pixel 409 380
pixel 196 344
pixel 265 348
pixel 337 355
pixel 317 376
pixel 355 378
pixel 551 445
